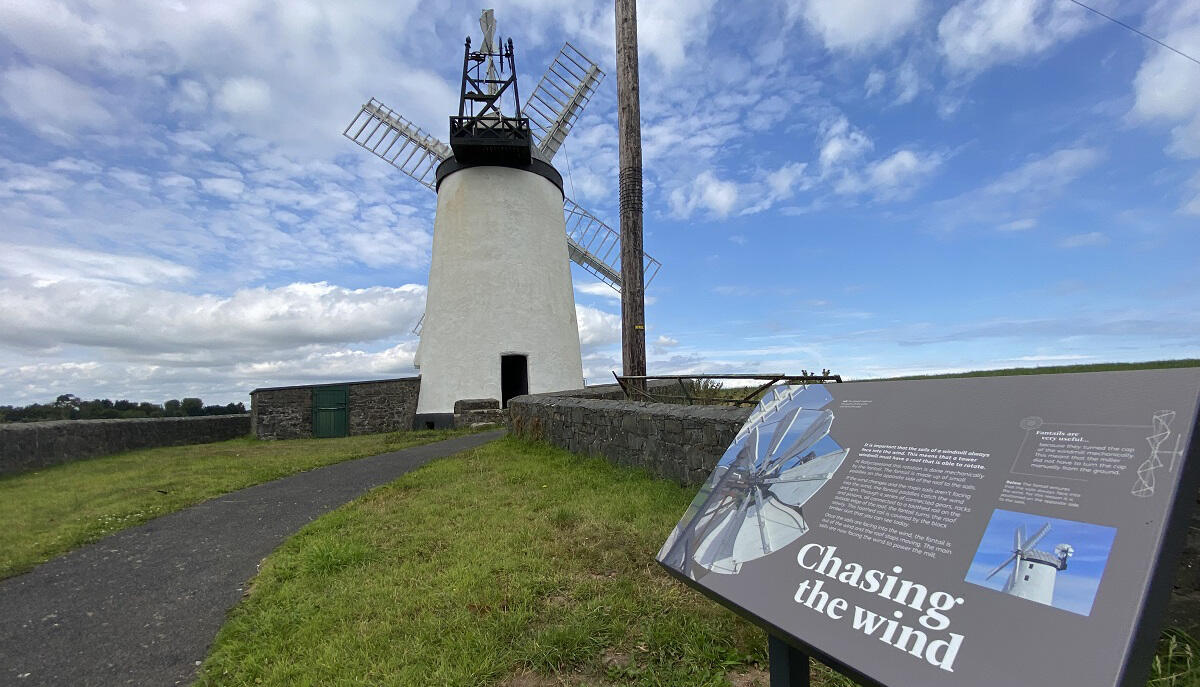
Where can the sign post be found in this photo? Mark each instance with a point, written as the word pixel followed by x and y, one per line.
pixel 789 666
pixel 941 532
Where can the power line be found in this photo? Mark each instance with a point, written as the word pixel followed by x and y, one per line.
pixel 1121 23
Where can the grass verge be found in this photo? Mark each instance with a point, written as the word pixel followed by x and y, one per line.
pixel 515 564
pixel 48 512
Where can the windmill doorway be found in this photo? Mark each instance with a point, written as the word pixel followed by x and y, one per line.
pixel 514 377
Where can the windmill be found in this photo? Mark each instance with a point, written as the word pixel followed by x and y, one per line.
pixel 1033 572
pixel 752 504
pixel 500 315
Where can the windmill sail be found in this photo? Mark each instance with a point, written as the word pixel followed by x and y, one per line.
pixel 395 139
pixel 560 96
pixel 596 247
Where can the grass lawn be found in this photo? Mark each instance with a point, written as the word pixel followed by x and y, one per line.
pixel 515 564
pixel 50 511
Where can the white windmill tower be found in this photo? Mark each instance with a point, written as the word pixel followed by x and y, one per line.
pixel 1033 572
pixel 500 310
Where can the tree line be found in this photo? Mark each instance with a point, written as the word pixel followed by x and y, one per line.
pixel 71 407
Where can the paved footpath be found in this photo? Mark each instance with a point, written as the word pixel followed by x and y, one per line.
pixel 142 606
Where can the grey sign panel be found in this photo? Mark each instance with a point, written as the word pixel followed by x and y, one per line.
pixel 927 532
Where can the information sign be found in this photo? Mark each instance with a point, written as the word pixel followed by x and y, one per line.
pixel 977 531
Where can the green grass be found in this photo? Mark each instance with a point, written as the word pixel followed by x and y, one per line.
pixel 1177 662
pixel 515 564
pixel 48 512
pixel 511 558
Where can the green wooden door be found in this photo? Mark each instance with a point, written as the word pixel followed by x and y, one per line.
pixel 330 411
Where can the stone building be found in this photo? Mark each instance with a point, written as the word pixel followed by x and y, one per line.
pixel 334 410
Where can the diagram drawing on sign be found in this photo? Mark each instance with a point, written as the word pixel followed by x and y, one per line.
pixel 753 503
pixel 1144 486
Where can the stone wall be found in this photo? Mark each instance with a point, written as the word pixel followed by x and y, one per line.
pixel 386 405
pixel 284 413
pixel 683 443
pixel 472 412
pixel 677 442
pixel 31 445
pixel 383 406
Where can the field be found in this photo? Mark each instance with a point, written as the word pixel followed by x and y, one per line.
pixel 51 511
pixel 515 564
pixel 709 392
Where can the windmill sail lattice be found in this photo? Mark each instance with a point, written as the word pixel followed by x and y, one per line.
pixel 398 141
pixel 596 247
pixel 560 96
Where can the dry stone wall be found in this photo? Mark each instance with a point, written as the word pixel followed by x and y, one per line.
pixel 677 442
pixel 384 406
pixel 282 413
pixel 33 445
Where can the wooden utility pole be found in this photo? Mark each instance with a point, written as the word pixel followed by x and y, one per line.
pixel 629 122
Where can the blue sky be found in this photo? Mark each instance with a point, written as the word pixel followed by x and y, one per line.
pixel 1074 588
pixel 872 187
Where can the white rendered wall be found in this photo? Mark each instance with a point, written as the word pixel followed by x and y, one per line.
pixel 1040 585
pixel 499 283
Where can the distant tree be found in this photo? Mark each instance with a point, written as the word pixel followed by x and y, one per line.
pixel 192 407
pixel 172 409
pixel 150 409
pixel 68 406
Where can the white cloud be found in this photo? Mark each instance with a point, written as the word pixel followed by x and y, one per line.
pixel 598 289
pixel 842 144
pixel 667 29
pixel 875 81
pixel 42 265
pixel 908 83
pixel 190 97
pixel 707 192
pixel 1167 86
pixel 1018 225
pixel 1052 171
pixel 901 171
pixel 596 327
pixel 229 189
pixel 1091 238
pixel 151 324
pixel 859 25
pixel 977 34
pixel 50 102
pixel 895 176
pixel 1192 205
pixel 244 95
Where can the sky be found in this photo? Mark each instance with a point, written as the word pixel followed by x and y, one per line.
pixel 876 188
pixel 1074 588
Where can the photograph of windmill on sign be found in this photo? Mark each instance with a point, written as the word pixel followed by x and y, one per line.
pixel 1050 561
pixel 752 504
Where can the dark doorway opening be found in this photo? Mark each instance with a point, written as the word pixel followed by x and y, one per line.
pixel 514 377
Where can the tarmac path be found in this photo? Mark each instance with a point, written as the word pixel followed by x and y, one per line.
pixel 142 606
